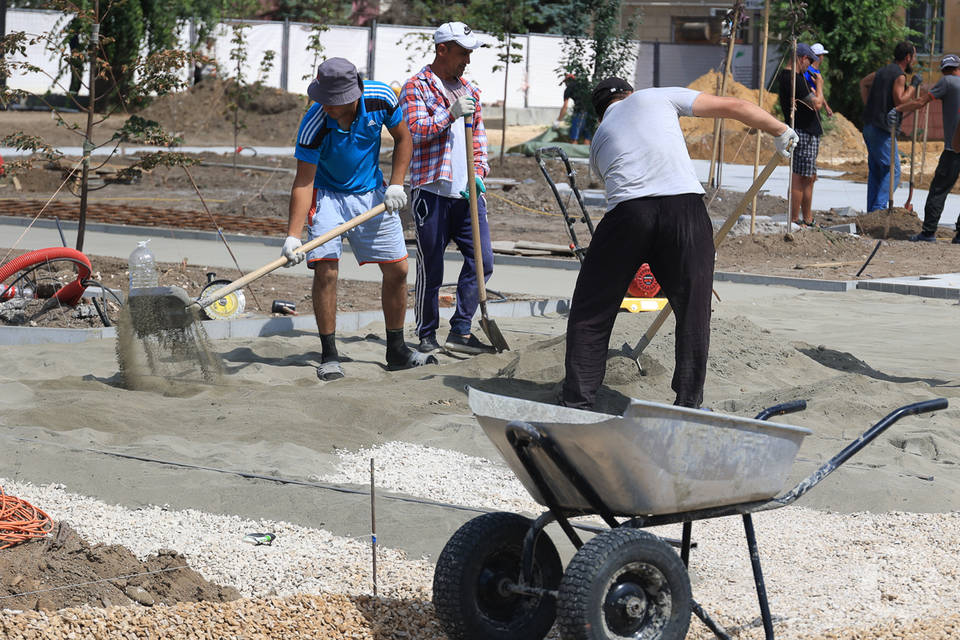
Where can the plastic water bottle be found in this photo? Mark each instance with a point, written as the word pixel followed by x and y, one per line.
pixel 143 267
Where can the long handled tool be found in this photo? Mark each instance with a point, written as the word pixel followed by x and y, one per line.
pixel 913 146
pixel 893 150
pixel 489 327
pixel 160 308
pixel 717 239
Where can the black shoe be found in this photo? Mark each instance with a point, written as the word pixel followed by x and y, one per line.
pixel 956 239
pixel 469 345
pixel 428 344
pixel 922 237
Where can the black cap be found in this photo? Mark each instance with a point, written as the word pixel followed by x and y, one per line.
pixel 605 91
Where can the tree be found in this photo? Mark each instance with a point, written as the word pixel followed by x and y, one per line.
pixel 503 19
pixel 860 35
pixel 596 46
pixel 151 73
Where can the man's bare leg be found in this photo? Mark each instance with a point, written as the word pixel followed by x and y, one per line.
pixel 324 294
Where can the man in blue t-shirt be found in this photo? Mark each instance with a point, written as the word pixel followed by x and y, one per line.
pixel 338 178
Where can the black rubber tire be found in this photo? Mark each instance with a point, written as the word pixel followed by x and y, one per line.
pixel 625 583
pixel 481 554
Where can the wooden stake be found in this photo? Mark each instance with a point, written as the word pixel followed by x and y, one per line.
pixel 926 108
pixel 373 527
pixel 763 85
pixel 793 125
pixel 717 155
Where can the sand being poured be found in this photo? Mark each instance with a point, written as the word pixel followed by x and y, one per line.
pixel 153 356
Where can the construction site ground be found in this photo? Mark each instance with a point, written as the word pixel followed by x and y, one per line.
pixel 253 201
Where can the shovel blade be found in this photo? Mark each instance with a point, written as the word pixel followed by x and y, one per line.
pixel 156 309
pixel 492 332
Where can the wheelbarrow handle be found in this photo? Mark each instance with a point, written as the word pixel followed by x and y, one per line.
pixel 853 448
pixel 781 409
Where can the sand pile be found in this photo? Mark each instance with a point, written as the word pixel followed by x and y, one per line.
pixel 843 142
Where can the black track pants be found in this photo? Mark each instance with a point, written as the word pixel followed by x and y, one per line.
pixel 674 235
pixel 948 170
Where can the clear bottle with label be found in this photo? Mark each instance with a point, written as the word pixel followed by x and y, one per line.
pixel 143 267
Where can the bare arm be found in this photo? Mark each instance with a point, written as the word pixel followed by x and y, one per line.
pixel 902 93
pixel 709 106
pixel 563 109
pixel 916 103
pixel 865 83
pixel 402 152
pixel 955 144
pixel 300 196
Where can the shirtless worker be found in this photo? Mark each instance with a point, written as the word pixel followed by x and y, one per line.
pixel 338 178
pixel 655 214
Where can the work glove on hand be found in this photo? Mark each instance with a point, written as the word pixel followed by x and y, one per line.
pixel 463 106
pixel 480 188
pixel 786 141
pixel 290 245
pixel 395 198
pixel 916 80
pixel 893 119
pixel 557 125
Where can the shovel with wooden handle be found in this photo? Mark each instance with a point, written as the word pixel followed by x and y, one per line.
pixel 158 308
pixel 489 327
pixel 717 239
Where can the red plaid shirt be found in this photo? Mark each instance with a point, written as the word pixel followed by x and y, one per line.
pixel 427 110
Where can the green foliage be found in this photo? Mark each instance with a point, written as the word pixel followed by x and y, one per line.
pixel 595 47
pixel 142 131
pixel 310 11
pixel 149 161
pixel 860 35
pixel 315 45
pixel 23 142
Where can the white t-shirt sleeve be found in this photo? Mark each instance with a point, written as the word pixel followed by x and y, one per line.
pixel 682 99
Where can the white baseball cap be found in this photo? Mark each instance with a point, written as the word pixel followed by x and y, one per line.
pixel 818 49
pixel 456 32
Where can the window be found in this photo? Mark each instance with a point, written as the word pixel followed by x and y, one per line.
pixel 920 19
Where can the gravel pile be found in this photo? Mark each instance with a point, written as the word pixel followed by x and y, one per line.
pixel 829 576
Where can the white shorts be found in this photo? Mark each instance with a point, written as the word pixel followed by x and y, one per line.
pixel 379 239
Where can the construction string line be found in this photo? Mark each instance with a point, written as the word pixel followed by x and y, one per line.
pixel 277 479
pixel 84 584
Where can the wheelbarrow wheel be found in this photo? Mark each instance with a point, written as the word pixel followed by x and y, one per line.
pixel 624 583
pixel 474 570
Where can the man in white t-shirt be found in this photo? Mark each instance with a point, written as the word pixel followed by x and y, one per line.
pixel 655 214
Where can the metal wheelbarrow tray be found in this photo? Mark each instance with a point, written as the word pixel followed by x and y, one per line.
pixel 500 577
pixel 654 459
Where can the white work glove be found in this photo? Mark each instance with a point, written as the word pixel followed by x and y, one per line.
pixel 786 141
pixel 557 125
pixel 395 198
pixel 290 245
pixel 463 106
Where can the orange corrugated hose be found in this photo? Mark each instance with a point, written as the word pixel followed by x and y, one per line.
pixel 20 521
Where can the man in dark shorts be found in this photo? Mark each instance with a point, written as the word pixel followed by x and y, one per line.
pixel 806 118
pixel 656 214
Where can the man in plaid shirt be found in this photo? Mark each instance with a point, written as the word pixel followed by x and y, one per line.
pixel 434 102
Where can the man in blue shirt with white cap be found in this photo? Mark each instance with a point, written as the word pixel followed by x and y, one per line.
pixel 338 178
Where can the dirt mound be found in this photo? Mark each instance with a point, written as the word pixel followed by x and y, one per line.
pixel 843 142
pixel 204 112
pixel 899 224
pixel 106 575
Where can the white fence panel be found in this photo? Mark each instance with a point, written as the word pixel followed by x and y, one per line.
pixel 259 37
pixel 544 89
pixel 35 23
pixel 338 42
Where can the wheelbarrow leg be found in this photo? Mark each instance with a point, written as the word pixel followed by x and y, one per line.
pixel 758 576
pixel 685 543
pixel 717 630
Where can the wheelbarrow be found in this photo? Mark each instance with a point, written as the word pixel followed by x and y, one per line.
pixel 500 577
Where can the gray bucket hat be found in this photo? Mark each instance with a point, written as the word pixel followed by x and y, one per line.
pixel 337 82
